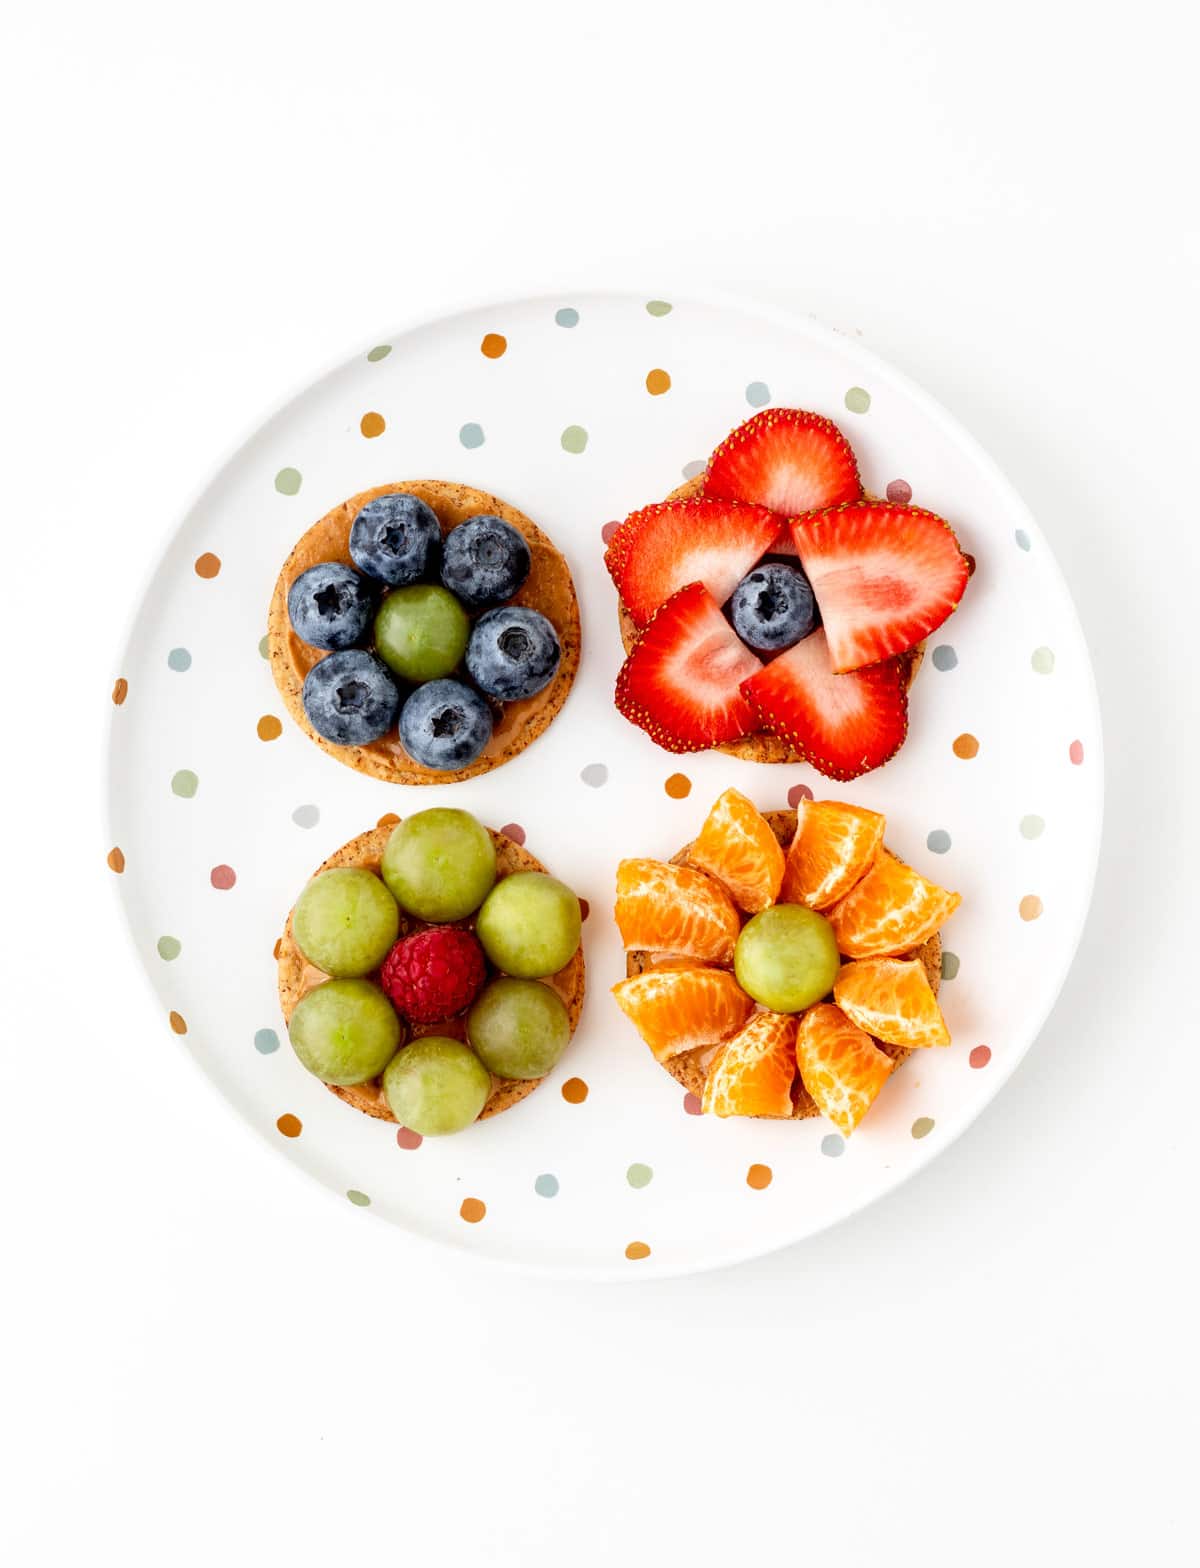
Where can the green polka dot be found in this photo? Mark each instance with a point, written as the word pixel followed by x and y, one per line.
pixel 858 400
pixel 169 947
pixel 184 784
pixel 922 1127
pixel 287 481
pixel 639 1175
pixel 380 351
pixel 949 965
pixel 264 648
pixel 1043 660
pixel 265 1041
pixel 179 659
pixel 359 1199
pixel 1032 826
pixel 574 438
pixel 658 307
pixel 471 436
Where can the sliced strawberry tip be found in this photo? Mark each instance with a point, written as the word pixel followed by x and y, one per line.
pixel 681 683
pixel 844 725
pixel 884 577
pixel 662 548
pixel 786 459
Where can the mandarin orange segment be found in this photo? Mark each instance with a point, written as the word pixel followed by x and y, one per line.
pixel 675 909
pixel 892 910
pixel 840 1066
pixel 753 1073
pixel 678 1010
pixel 834 847
pixel 737 846
pixel 892 999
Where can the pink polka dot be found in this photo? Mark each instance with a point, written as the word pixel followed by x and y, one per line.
pixel 797 793
pixel 609 530
pixel 515 831
pixel 1076 752
pixel 222 877
pixel 407 1139
pixel 900 492
pixel 691 1104
pixel 980 1056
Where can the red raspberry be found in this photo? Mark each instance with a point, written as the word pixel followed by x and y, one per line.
pixel 434 974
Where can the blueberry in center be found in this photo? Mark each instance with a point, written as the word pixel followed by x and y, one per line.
pixel 769 604
pixel 394 539
pixel 352 696
pixel 489 551
pixel 515 644
pixel 447 722
pixel 328 601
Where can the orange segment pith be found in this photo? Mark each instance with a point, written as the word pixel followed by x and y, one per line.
pixel 841 1066
pixel 737 846
pixel 834 847
pixel 675 909
pixel 892 999
pixel 677 1010
pixel 892 910
pixel 753 1073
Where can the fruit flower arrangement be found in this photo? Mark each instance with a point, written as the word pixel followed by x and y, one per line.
pixel 734 957
pixel 771 609
pixel 449 935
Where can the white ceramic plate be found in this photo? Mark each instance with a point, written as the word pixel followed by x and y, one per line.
pixel 217 829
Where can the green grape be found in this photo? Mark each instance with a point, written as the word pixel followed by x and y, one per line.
pixel 345 921
pixel 518 1028
pixel 436 1085
pixel 440 864
pixel 345 1031
pixel 786 958
pixel 529 925
pixel 421 632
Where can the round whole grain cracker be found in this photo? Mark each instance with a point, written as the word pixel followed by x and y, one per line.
pixel 548 588
pixel 297 976
pixel 690 1068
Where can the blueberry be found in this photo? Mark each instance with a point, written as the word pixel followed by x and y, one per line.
pixel 513 653
pixel 350 698
pixel 445 725
pixel 484 561
pixel 330 606
pixel 773 607
pixel 396 538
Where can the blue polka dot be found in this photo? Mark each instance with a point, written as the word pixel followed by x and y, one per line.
pixel 546 1186
pixel 471 436
pixel 833 1144
pixel 265 1041
pixel 179 659
pixel 568 316
pixel 944 657
pixel 938 841
pixel 1022 539
pixel 758 393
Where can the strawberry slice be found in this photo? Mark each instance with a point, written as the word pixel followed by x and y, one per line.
pixel 662 548
pixel 843 724
pixel 787 459
pixel 884 576
pixel 680 683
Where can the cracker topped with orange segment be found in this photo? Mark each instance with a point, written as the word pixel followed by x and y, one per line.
pixel 772 609
pixel 783 964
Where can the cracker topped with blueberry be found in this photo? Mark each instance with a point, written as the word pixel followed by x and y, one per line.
pixel 424 632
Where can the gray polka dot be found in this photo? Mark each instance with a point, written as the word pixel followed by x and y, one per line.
pixel 758 394
pixel 694 469
pixel 833 1144
pixel 949 964
pixel 1022 539
pixel 568 316
pixel 471 436
pixel 179 659
pixel 265 1041
pixel 1032 827
pixel 306 816
pixel 944 657
pixel 546 1186
pixel 938 841
pixel 595 774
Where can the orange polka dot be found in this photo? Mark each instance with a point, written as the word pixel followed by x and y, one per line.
pixel 372 425
pixel 678 786
pixel 574 1091
pixel 289 1125
pixel 636 1250
pixel 966 747
pixel 120 691
pixel 473 1210
pixel 276 949
pixel 1030 906
pixel 208 565
pixel 177 1022
pixel 658 382
pixel 758 1177
pixel 269 727
pixel 493 345
pixel 388 820
pixel 116 860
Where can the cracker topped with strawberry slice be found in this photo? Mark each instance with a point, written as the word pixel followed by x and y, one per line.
pixel 772 610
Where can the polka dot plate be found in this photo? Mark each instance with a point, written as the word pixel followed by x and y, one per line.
pixel 577 410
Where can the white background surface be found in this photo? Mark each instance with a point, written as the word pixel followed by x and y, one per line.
pixel 207 1357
